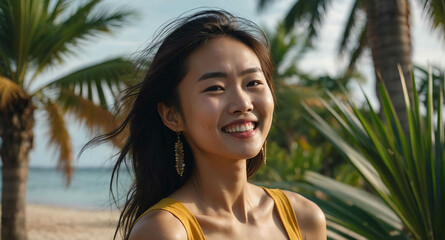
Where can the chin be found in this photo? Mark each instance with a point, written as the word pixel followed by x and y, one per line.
pixel 247 155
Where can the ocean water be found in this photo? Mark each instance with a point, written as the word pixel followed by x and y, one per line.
pixel 89 188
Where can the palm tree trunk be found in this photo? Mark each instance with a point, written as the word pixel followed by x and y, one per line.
pixel 390 41
pixel 17 141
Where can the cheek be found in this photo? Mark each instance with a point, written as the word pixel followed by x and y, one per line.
pixel 267 105
pixel 201 114
pixel 201 123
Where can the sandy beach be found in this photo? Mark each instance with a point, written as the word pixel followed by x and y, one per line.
pixel 61 223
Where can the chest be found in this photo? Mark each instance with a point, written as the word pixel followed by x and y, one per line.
pixel 268 226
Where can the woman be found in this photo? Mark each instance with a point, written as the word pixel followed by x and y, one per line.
pixel 197 132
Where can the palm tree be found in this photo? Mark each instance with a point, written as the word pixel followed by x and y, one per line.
pixel 37 35
pixel 386 31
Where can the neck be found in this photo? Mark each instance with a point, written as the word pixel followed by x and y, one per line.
pixel 221 185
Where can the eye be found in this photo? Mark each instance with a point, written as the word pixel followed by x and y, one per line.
pixel 214 89
pixel 254 83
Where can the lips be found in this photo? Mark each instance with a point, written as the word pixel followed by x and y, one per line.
pixel 240 126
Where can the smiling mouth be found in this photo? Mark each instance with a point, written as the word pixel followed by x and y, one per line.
pixel 240 127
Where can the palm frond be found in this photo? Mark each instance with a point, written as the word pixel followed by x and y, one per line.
pixel 358 197
pixel 94 117
pixel 350 26
pixel 35 34
pixel 360 162
pixel 310 13
pixel 358 49
pixel 20 23
pixel 60 139
pixel 435 11
pixel 262 4
pixel 422 75
pixel 5 47
pixel 96 79
pixel 58 39
pixel 8 92
pixel 59 7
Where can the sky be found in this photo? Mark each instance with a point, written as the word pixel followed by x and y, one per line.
pixel 428 48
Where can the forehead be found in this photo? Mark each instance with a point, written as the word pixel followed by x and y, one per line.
pixel 223 54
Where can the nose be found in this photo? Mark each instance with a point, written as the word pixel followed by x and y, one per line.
pixel 240 102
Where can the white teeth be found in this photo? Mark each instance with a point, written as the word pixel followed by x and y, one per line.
pixel 246 127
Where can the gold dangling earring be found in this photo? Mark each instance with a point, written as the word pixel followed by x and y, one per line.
pixel 179 155
pixel 263 153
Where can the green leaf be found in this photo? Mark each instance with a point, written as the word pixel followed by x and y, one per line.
pixel 351 23
pixel 409 166
pixel 311 13
pixel 364 167
pixel 94 78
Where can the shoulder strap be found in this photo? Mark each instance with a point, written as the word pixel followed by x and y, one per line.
pixel 286 212
pixel 191 225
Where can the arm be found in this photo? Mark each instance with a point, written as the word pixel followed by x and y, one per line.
pixel 311 219
pixel 158 225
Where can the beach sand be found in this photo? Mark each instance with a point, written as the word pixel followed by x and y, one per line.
pixel 61 223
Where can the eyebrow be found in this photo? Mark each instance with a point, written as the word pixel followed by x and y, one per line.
pixel 224 75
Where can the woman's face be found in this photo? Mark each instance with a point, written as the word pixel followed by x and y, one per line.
pixel 226 102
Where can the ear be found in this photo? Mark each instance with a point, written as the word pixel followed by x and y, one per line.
pixel 170 117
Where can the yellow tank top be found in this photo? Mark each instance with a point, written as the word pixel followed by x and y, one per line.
pixel 194 231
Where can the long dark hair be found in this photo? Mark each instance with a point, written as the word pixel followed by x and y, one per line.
pixel 148 149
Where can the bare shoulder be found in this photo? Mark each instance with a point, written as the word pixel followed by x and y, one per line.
pixel 310 217
pixel 158 225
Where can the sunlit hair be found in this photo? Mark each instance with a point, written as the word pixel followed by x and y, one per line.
pixel 149 148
